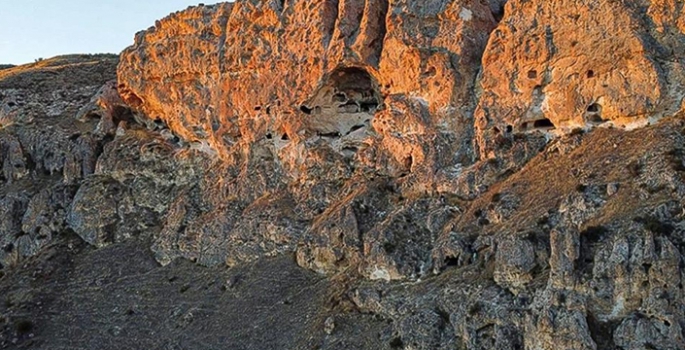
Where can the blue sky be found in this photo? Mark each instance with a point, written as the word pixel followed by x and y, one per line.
pixel 30 29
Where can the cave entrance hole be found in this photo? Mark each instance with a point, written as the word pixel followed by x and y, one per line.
pixel 344 104
pixel 593 114
pixel 542 124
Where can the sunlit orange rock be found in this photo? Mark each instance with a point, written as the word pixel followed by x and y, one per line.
pixel 234 72
pixel 325 92
pixel 555 66
pixel 312 101
pixel 453 186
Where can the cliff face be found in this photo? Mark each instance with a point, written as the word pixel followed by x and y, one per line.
pixel 381 174
pixel 316 105
pixel 569 64
pixel 554 67
pixel 324 96
pixel 239 71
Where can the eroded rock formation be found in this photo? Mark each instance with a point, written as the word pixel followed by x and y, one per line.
pixel 579 64
pixel 425 175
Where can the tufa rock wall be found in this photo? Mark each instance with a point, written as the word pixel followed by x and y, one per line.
pixel 326 103
pixel 449 174
pixel 556 66
pixel 237 72
pixel 552 67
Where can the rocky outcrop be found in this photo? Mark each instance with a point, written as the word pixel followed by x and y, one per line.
pixel 262 104
pixel 318 98
pixel 560 66
pixel 45 153
pixel 52 88
pixel 242 71
pixel 379 174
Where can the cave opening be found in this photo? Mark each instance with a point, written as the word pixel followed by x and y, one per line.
pixel 593 114
pixel 593 108
pixel 344 104
pixel 538 124
pixel 543 124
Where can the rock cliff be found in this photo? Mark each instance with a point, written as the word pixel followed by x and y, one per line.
pixel 353 174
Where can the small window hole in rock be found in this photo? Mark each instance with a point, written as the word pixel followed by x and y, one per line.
pixel 341 110
pixel 593 114
pixel 532 74
pixel 306 110
pixel 593 108
pixel 279 138
pixel 542 124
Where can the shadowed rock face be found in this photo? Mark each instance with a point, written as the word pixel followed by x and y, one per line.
pixel 352 175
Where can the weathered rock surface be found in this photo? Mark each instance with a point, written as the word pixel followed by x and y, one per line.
pixel 353 175
pixel 383 90
pixel 51 88
pixel 300 71
pixel 557 66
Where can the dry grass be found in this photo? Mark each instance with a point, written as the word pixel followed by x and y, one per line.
pixel 604 156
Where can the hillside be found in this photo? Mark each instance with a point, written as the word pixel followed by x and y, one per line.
pixel 357 174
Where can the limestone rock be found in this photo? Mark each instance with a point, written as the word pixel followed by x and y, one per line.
pixel 353 174
pixel 556 66
pixel 515 261
pixel 93 215
pixel 45 217
pixel 44 153
pixel 323 118
pixel 53 87
pixel 306 69
pixel 12 208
